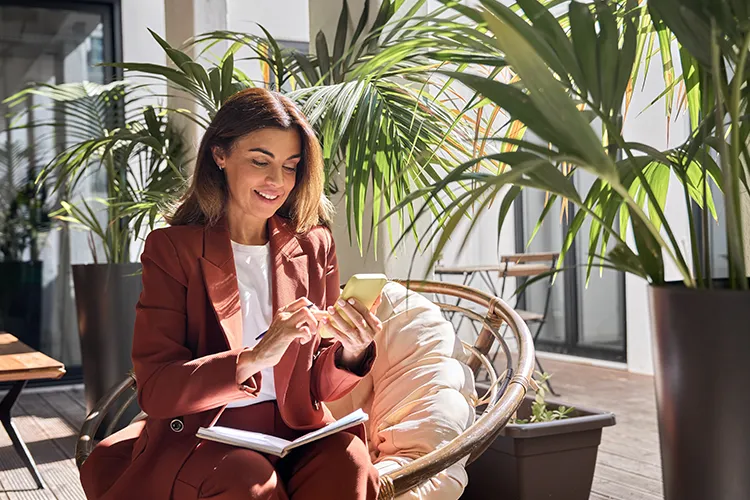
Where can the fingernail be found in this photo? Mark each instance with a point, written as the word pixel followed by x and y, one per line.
pixel 341 302
pixel 330 309
pixel 351 301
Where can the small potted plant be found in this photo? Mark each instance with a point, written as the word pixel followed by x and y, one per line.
pixel 547 436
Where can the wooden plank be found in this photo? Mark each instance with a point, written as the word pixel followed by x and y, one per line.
pixel 20 362
pixel 529 315
pixel 77 395
pixel 529 257
pixel 623 449
pixel 633 466
pixel 634 481
pixel 599 496
pixel 519 270
pixel 65 406
pixel 54 453
pixel 17 482
pixel 467 269
pixel 619 491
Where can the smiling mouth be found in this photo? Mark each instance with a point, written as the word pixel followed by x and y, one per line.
pixel 267 196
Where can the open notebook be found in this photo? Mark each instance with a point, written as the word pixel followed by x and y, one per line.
pixel 273 445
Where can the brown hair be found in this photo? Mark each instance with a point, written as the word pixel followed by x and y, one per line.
pixel 252 109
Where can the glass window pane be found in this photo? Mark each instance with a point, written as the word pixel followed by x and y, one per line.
pixel 45 46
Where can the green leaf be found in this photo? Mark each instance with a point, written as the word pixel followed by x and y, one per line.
pixel 324 61
pixel 626 59
pixel 691 79
pixel 339 43
pixel 227 70
pixel 649 251
pixel 625 260
pixel 362 22
pixel 171 74
pixel 583 35
pixel 502 14
pixel 307 68
pixel 518 104
pixel 510 196
pixel 607 56
pixel 692 31
pixel 550 28
pixel 548 205
pixel 548 95
pixel 178 57
pixel 665 49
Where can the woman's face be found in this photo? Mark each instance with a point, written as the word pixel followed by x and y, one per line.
pixel 261 169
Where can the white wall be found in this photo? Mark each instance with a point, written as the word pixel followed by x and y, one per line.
pixel 284 19
pixel 649 126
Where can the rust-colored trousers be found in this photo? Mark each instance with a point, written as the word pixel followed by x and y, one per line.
pixel 337 467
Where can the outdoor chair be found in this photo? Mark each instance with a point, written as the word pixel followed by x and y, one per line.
pixel 520 267
pixel 505 394
pixel 523 266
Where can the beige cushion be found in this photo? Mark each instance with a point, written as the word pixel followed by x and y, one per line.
pixel 418 394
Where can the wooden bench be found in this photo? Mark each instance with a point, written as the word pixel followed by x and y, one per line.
pixel 20 363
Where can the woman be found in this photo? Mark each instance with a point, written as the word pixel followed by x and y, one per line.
pixel 226 327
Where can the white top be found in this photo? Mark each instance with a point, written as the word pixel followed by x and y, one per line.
pixel 253 264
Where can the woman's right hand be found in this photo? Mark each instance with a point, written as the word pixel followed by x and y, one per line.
pixel 294 321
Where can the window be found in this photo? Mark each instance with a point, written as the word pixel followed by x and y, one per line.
pixel 582 320
pixel 48 42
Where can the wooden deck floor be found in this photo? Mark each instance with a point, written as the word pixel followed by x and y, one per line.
pixel 629 461
pixel 628 467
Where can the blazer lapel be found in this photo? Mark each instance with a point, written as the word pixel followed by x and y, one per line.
pixel 290 281
pixel 220 279
pixel 289 263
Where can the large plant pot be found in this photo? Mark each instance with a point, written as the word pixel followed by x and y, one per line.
pixel 106 296
pixel 546 460
pixel 21 301
pixel 703 400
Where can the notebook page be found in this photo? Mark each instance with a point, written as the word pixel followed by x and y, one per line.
pixel 354 418
pixel 245 439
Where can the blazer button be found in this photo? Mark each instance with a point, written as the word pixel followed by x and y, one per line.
pixel 176 425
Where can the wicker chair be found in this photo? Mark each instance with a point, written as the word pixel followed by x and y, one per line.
pixel 507 390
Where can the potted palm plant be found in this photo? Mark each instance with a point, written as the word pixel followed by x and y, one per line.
pixel 581 66
pixel 135 156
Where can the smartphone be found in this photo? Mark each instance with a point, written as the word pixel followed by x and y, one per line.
pixel 363 287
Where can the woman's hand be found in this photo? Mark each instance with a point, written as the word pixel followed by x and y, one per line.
pixel 294 321
pixel 355 339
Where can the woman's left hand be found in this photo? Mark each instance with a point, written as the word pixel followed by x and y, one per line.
pixel 355 339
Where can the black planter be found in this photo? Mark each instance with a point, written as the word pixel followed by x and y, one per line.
pixel 21 301
pixel 106 295
pixel 540 461
pixel 703 399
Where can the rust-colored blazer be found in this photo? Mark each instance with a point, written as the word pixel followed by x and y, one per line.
pixel 188 336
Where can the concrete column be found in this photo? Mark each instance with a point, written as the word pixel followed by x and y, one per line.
pixel 184 20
